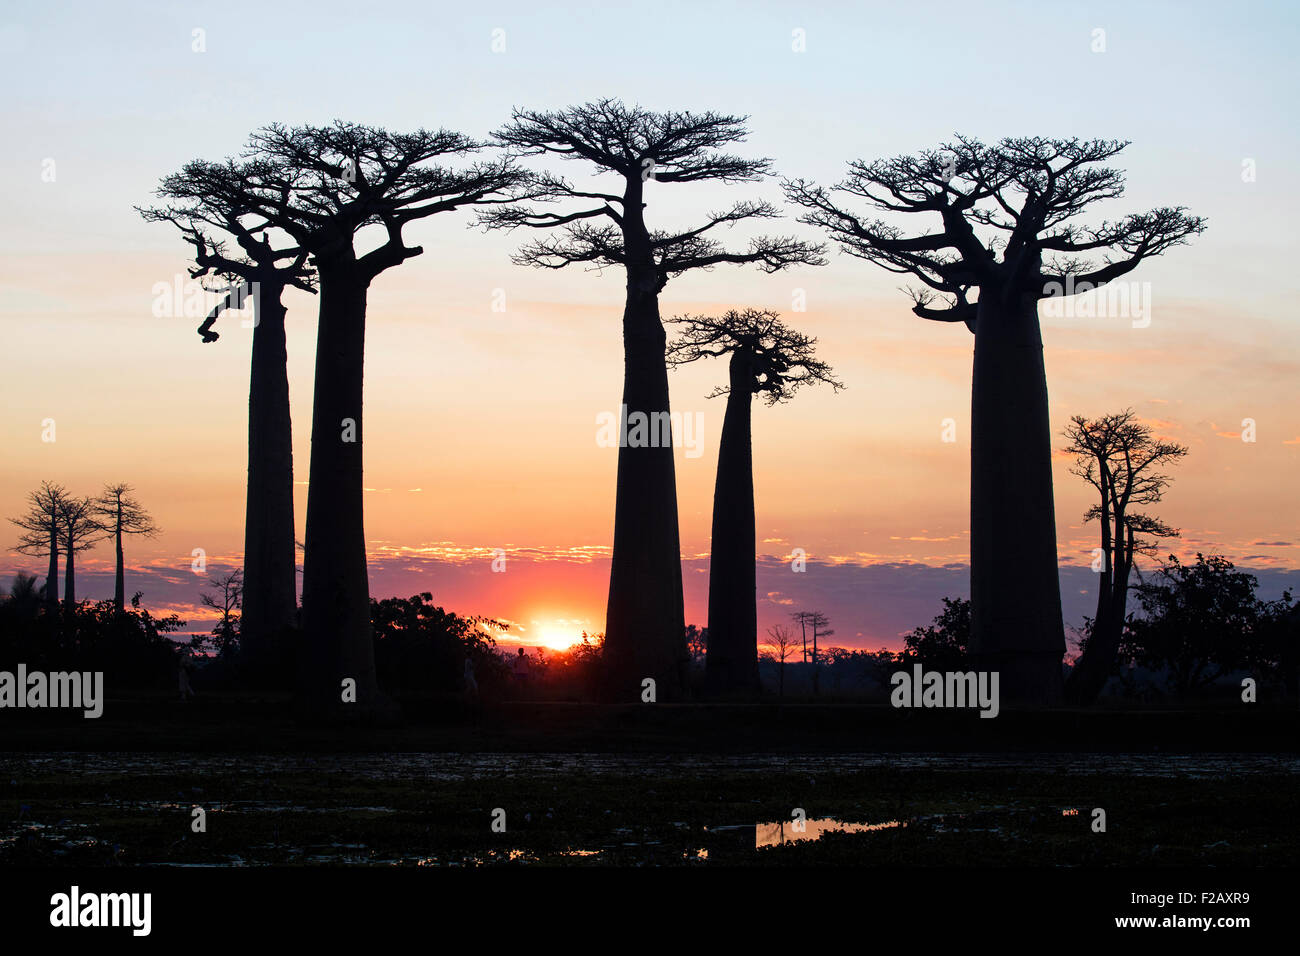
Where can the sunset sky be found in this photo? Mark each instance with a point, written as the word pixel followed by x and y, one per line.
pixel 480 426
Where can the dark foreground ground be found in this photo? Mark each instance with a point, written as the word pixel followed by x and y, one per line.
pixel 661 784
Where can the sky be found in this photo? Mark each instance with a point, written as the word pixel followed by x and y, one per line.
pixel 481 424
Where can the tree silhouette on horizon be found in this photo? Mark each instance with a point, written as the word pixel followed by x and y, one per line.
pixel 42 534
pixel 322 186
pixel 1120 457
pixel 645 620
pixel 117 512
pixel 1000 210
pixel 767 358
pixel 79 532
pixel 208 201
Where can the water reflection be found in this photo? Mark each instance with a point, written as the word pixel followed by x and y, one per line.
pixel 792 831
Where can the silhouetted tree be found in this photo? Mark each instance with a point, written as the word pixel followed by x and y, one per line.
pixel 209 203
pixel 644 618
pixel 322 186
pixel 1000 211
pixel 79 532
pixel 1198 621
pixel 117 513
pixel 782 649
pixel 770 359
pixel 1120 458
pixel 42 534
pixel 819 624
pixel 228 600
pixel 24 597
pixel 943 644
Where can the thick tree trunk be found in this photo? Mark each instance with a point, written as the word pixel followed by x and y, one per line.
pixel 1090 670
pixel 645 622
pixel 816 678
pixel 1016 624
pixel 270 575
pixel 52 576
pixel 732 662
pixel 336 640
pixel 69 582
pixel 119 580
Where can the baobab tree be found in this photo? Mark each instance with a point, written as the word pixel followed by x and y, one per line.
pixel 42 534
pixel 79 531
pixel 820 625
pixel 641 151
pixel 1120 457
pixel 116 512
pixel 206 201
pixel 772 360
pixel 322 186
pixel 1004 240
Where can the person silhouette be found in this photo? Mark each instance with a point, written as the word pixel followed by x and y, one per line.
pixel 471 684
pixel 521 668
pixel 183 675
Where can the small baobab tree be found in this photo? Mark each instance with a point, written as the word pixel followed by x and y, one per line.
pixel 641 151
pixel 117 513
pixel 42 528
pixel 769 359
pixel 1006 237
pixel 1122 459
pixel 79 532
pixel 324 187
pixel 208 203
pixel 818 624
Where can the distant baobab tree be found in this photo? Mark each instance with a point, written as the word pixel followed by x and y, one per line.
pixel 79 532
pixel 118 513
pixel 1000 210
pixel 607 227
pixel 1120 457
pixel 321 186
pixel 207 202
pixel 767 358
pixel 819 624
pixel 43 534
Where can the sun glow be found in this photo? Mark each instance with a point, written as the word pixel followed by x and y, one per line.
pixel 559 636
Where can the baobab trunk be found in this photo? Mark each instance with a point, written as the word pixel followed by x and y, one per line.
pixel 119 579
pixel 1089 672
pixel 52 576
pixel 69 581
pixel 645 621
pixel 1016 624
pixel 732 661
pixel 270 575
pixel 336 641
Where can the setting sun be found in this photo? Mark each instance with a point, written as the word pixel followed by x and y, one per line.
pixel 559 635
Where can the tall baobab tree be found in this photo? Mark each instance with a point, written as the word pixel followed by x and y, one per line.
pixel 322 186
pixel 641 151
pixel 117 512
pixel 772 360
pixel 1004 240
pixel 43 533
pixel 1121 458
pixel 207 203
pixel 79 532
